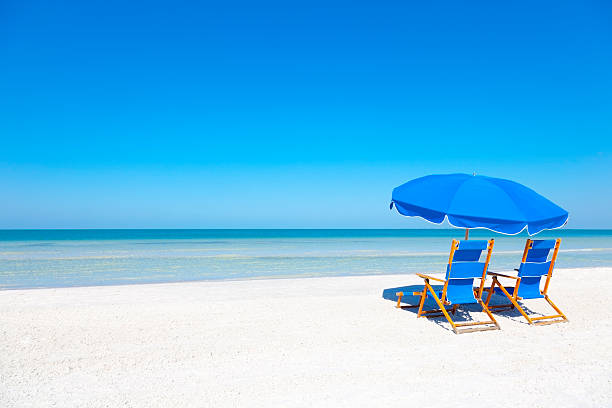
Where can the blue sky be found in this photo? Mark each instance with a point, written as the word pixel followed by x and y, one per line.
pixel 295 114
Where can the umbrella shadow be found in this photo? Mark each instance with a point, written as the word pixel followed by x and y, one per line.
pixel 463 313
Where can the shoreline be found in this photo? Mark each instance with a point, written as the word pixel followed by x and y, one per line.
pixel 265 278
pixel 101 263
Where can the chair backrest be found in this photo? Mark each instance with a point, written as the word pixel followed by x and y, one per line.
pixel 535 264
pixel 463 262
pixel 464 265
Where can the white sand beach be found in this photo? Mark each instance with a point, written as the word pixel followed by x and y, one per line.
pixel 322 342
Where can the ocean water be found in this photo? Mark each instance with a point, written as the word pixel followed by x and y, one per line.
pixel 61 258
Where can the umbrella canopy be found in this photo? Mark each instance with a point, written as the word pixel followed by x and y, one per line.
pixel 478 202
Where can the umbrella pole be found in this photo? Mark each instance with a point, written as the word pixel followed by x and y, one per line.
pixel 467 234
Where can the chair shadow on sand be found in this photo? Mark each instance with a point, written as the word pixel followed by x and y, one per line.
pixel 463 312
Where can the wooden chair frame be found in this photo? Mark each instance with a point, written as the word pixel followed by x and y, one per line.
pixel 443 302
pixel 514 298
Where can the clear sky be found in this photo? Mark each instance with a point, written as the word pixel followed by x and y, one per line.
pixel 180 114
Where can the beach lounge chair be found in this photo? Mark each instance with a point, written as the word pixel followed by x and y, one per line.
pixel 534 266
pixel 458 286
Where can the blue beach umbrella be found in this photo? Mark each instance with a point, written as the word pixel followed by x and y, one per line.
pixel 468 201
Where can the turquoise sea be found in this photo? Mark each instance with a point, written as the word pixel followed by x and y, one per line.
pixel 59 258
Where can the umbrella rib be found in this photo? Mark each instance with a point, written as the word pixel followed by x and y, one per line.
pixel 491 218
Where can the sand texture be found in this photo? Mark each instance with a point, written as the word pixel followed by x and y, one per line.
pixel 321 342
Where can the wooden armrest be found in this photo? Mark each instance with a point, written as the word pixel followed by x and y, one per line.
pixel 501 274
pixel 430 277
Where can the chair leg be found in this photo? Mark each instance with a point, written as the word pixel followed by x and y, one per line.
pixel 442 308
pixel 457 326
pixel 539 320
pixel 555 307
pixel 422 302
pixel 399 301
pixel 491 290
pixel 513 300
pixel 542 320
pixel 488 312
